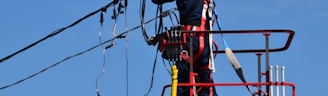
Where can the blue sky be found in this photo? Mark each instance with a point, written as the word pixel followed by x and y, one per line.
pixel 24 22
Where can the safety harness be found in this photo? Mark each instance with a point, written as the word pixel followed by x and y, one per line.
pixel 205 24
pixel 173 43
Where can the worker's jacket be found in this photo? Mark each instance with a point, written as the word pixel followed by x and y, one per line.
pixel 190 10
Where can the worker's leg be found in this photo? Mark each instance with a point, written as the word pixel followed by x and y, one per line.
pixel 204 76
pixel 204 73
pixel 183 77
pixel 183 66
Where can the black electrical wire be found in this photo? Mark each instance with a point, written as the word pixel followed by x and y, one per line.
pixel 45 69
pixel 167 69
pixel 58 31
pixel 176 17
pixel 157 31
pixel 152 75
pixel 61 61
pixel 159 10
pixel 171 18
pixel 142 18
pixel 77 54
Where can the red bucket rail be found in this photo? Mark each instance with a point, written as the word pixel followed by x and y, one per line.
pixel 267 91
pixel 237 84
pixel 269 83
pixel 287 44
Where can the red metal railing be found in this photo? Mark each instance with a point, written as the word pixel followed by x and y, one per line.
pixel 258 84
pixel 285 47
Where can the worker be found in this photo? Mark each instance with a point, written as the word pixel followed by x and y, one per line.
pixel 194 16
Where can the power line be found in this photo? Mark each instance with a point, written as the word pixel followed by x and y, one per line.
pixel 122 35
pixel 61 61
pixel 58 31
pixel 45 69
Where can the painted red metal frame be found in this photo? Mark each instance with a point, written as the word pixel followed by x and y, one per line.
pixel 267 83
pixel 287 44
pixel 237 84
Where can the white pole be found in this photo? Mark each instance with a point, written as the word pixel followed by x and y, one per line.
pixel 283 79
pixel 271 87
pixel 277 80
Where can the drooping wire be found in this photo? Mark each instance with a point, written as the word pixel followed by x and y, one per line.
pixel 167 68
pixel 176 17
pixel 156 26
pixel 169 13
pixel 152 75
pixel 56 32
pixel 160 28
pixel 103 51
pixel 115 17
pixel 171 18
pixel 122 35
pixel 157 29
pixel 127 47
pixel 142 16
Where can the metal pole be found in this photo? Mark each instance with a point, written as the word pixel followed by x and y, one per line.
pixel 267 34
pixel 271 86
pixel 283 79
pixel 191 68
pixel 267 50
pixel 277 80
pixel 259 75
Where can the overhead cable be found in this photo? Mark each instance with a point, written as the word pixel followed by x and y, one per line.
pixel 59 31
pixel 122 35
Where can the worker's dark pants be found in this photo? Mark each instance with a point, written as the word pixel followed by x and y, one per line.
pixel 204 75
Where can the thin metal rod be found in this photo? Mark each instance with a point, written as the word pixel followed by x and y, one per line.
pixel 267 50
pixel 277 80
pixel 268 77
pixel 259 75
pixel 270 91
pixel 191 68
pixel 283 80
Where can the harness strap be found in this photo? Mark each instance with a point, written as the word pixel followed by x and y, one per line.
pixel 201 36
pixel 201 44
